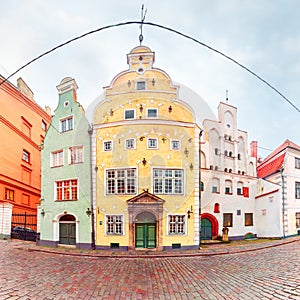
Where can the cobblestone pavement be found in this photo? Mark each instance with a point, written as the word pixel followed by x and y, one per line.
pixel 266 273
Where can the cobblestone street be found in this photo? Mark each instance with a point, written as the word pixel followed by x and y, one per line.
pixel 269 273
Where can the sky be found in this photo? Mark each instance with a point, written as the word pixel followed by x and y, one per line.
pixel 262 35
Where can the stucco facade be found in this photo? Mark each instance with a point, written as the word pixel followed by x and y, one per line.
pixel 231 197
pixel 146 158
pixel 282 167
pixel 65 210
pixel 23 125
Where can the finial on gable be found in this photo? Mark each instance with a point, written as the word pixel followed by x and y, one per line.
pixel 143 16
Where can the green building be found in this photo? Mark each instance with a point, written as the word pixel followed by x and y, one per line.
pixel 65 211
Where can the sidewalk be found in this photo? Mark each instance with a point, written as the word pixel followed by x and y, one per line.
pixel 206 249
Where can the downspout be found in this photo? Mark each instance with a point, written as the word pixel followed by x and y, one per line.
pixel 200 135
pixel 90 131
pixel 283 200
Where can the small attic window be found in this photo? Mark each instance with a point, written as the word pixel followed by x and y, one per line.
pixel 66 103
pixel 141 85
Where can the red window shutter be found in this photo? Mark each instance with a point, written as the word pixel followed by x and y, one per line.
pixel 246 192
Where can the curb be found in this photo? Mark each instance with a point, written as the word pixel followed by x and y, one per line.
pixel 163 255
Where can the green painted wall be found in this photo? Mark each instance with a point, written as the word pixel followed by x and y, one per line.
pixel 55 140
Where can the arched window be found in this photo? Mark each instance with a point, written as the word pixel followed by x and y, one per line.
pixel 215 185
pixel 201 186
pixel 240 188
pixel 228 186
pixel 216 208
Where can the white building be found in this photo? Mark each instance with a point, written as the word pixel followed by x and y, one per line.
pixel 231 195
pixel 282 167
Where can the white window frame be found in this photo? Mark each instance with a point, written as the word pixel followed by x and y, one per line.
pixel 63 187
pixel 150 117
pixel 177 223
pixel 138 82
pixel 68 128
pixel 133 144
pixel 76 155
pixel 128 110
pixel 175 148
pixel 52 164
pixel 115 180
pixel 162 181
pixel 114 224
pixel 152 147
pixel 108 142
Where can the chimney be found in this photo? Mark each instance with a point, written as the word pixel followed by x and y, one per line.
pixel 253 149
pixel 24 88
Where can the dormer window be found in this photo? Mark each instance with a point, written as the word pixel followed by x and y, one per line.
pixel 152 112
pixel 129 114
pixel 141 85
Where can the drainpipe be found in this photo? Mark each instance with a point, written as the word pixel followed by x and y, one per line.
pixel 283 200
pixel 200 135
pixel 90 131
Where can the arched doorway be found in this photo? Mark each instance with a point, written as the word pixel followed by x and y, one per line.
pixel 67 230
pixel 209 227
pixel 145 230
pixel 206 229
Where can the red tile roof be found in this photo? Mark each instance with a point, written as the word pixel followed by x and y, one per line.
pixel 271 167
pixel 274 162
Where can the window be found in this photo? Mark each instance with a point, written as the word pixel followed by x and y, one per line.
pixel 248 219
pixel 107 146
pixel 297 216
pixel 114 225
pixel 297 190
pixel 227 220
pixel 57 158
pixel 130 144
pixel 44 125
pixel 76 154
pixel 141 85
pixel 217 152
pixel 228 187
pixel 9 194
pixel 215 185
pixel 66 124
pixel 129 114
pixel 175 145
pixel 201 186
pixel 121 181
pixel 152 112
pixel 216 208
pixel 67 189
pixel 168 181
pixel 152 143
pixel 26 156
pixel 176 224
pixel 297 163
pixel 240 188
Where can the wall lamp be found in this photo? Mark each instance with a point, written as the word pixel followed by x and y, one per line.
pixel 170 108
pixel 144 162
pixel 43 213
pixel 88 212
pixel 111 112
pixel 189 212
pixel 191 167
pixel 141 108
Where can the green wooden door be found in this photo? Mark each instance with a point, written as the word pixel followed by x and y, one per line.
pixel 67 233
pixel 206 229
pixel 145 235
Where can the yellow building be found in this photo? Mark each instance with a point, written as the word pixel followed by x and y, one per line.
pixel 145 156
